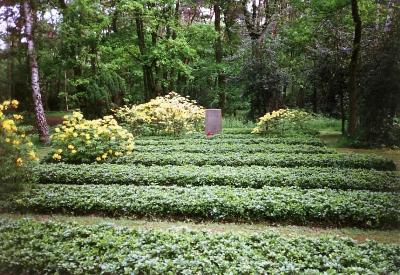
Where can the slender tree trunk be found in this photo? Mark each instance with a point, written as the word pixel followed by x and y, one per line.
pixel 218 57
pixel 352 127
pixel 315 99
pixel 42 126
pixel 148 79
pixel 342 112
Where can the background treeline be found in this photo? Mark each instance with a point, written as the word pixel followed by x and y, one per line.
pixel 336 57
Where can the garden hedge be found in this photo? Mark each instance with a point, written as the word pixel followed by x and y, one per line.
pixel 273 159
pixel 28 247
pixel 224 148
pixel 241 176
pixel 228 139
pixel 331 207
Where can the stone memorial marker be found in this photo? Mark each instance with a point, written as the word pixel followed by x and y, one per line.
pixel 213 123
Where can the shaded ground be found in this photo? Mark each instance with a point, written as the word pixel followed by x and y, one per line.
pixel 384 236
pixel 393 154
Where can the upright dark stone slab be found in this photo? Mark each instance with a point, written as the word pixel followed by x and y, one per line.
pixel 213 121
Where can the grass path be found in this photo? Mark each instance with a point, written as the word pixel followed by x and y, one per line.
pixel 384 236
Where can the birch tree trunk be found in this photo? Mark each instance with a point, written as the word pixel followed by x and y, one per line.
pixel 41 122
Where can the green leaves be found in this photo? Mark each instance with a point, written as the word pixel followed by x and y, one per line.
pixel 27 246
pixel 294 205
pixel 241 176
pixel 260 159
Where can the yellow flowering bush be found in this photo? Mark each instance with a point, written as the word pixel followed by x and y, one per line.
pixel 84 141
pixel 283 121
pixel 17 152
pixel 172 114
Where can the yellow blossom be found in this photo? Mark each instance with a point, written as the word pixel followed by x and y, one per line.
pixel 19 161
pixel 71 147
pixel 56 157
pixel 14 103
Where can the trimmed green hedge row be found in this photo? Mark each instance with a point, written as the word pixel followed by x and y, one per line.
pixel 226 131
pixel 240 159
pixel 242 176
pixel 28 247
pixel 231 139
pixel 359 208
pixel 224 148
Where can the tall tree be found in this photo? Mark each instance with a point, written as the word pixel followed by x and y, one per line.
pixel 41 122
pixel 219 55
pixel 354 64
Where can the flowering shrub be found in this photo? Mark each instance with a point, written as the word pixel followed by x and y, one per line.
pixel 16 149
pixel 83 141
pixel 283 121
pixel 170 115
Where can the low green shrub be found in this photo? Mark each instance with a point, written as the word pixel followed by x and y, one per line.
pixel 228 139
pixel 294 205
pixel 224 148
pixel 242 176
pixel 240 159
pixel 28 247
pixel 236 130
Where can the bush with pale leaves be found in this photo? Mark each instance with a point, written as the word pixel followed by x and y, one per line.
pixel 17 154
pixel 84 141
pixel 169 115
pixel 284 121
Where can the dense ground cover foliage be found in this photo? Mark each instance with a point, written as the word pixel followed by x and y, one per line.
pixel 229 138
pixel 273 159
pixel 241 176
pixel 230 147
pixel 29 247
pixel 220 203
pixel 227 177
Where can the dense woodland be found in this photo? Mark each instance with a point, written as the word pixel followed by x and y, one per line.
pixel 340 58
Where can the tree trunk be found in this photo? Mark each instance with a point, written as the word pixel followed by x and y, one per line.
pixel 315 99
pixel 218 57
pixel 148 79
pixel 352 127
pixel 42 126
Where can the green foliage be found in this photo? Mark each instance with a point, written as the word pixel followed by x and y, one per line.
pixel 274 159
pixel 380 95
pixel 228 139
pixel 235 122
pixel 106 249
pixel 358 208
pixel 242 176
pixel 232 148
pixel 103 91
